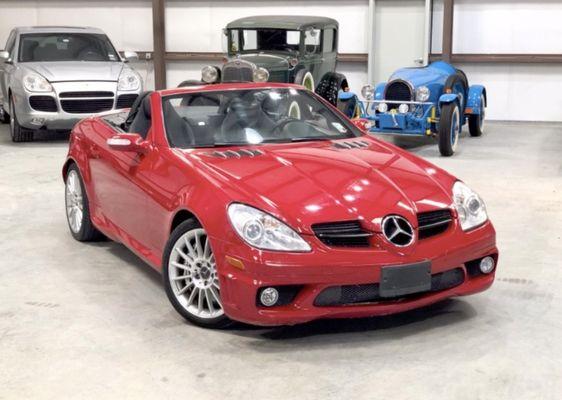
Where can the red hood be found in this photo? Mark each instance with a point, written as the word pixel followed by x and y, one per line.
pixel 310 183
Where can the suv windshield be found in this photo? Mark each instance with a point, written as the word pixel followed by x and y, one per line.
pixel 66 47
pixel 246 117
pixel 252 40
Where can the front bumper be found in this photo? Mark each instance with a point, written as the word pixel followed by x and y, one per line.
pixel 420 120
pixel 323 267
pixel 62 119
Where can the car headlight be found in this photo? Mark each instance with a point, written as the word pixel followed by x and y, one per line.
pixel 382 107
pixel 36 83
pixel 422 93
pixel 470 207
pixel 128 80
pixel 210 74
pixel 368 92
pixel 263 231
pixel 261 75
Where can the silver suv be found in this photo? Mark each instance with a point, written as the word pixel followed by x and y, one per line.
pixel 52 77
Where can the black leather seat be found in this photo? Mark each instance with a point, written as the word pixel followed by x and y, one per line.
pixel 244 114
pixel 180 134
pixel 139 118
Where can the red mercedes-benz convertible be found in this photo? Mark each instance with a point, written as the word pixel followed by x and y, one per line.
pixel 262 203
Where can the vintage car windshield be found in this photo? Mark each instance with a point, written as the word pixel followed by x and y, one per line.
pixel 247 117
pixel 253 40
pixel 66 47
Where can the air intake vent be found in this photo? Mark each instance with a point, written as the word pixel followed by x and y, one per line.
pixel 236 153
pixel 74 95
pixel 398 91
pixel 342 234
pixel 43 103
pixel 86 106
pixel 126 100
pixel 432 223
pixel 355 144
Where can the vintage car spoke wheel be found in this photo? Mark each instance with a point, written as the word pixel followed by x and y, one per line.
pixel 476 122
pixel 449 129
pixel 18 133
pixel 191 278
pixel 77 208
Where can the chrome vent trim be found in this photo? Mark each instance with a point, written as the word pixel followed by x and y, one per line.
pixel 354 144
pixel 247 153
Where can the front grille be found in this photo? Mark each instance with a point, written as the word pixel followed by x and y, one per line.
pixel 369 293
pixel 74 95
pixel 43 103
pixel 86 106
pixel 398 91
pixel 433 223
pixel 342 234
pixel 238 71
pixel 126 100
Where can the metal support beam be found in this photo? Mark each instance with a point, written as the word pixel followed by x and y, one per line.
pixel 448 14
pixel 159 42
pixel 427 31
pixel 371 73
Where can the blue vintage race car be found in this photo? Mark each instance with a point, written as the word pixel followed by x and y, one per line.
pixel 435 100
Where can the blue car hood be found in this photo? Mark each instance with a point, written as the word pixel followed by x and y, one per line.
pixel 436 72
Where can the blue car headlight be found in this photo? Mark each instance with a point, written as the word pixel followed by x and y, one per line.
pixel 422 93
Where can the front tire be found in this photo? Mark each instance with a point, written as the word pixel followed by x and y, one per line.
pixel 476 122
pixel 78 208
pixel 449 129
pixel 18 132
pixel 191 278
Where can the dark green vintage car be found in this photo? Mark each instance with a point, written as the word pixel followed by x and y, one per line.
pixel 281 48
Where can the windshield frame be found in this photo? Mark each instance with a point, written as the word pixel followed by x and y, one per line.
pixel 353 131
pixel 102 36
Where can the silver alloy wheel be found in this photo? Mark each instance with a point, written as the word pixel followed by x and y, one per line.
pixel 192 272
pixel 74 203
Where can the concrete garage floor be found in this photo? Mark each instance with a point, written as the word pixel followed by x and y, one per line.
pixel 92 320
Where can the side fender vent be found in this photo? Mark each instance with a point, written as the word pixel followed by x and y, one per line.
pixel 351 144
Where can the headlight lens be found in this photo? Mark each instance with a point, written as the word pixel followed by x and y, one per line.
pixel 263 231
pixel 470 207
pixel 261 75
pixel 403 108
pixel 210 74
pixel 128 80
pixel 368 92
pixel 422 93
pixel 382 107
pixel 36 83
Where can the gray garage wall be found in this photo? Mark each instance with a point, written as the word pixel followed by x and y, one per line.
pixel 516 92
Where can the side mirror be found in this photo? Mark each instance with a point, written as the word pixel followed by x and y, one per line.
pixel 132 142
pixel 130 55
pixel 4 56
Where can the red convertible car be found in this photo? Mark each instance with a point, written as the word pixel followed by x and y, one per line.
pixel 262 203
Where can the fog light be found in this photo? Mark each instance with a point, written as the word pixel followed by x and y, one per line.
pixel 487 265
pixel 403 108
pixel 382 107
pixel 269 296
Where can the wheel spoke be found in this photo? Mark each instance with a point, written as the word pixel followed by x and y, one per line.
pixel 215 296
pixel 200 302
pixel 184 289
pixel 183 255
pixel 192 296
pixel 190 247
pixel 181 266
pixel 209 301
pixel 181 277
pixel 198 246
pixel 207 251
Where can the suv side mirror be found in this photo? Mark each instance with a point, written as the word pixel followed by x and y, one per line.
pixel 132 142
pixel 130 55
pixel 4 56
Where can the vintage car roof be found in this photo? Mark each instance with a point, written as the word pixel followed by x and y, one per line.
pixel 292 22
pixel 58 29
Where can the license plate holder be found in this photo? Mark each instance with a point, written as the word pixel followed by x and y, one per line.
pixel 400 280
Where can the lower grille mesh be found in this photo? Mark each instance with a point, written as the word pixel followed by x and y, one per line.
pixel 86 106
pixel 43 103
pixel 369 293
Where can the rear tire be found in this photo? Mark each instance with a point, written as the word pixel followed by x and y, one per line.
pixel 449 129
pixel 78 208
pixel 330 85
pixel 476 122
pixel 18 132
pixel 190 276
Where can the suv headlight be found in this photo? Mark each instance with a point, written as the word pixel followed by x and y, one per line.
pixel 128 80
pixel 470 207
pixel 36 83
pixel 422 93
pixel 263 231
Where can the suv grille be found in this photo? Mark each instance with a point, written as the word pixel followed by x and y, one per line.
pixel 345 234
pixel 86 106
pixel 73 95
pixel 369 293
pixel 398 91
pixel 126 100
pixel 43 103
pixel 432 223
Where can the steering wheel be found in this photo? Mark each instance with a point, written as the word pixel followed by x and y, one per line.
pixel 281 124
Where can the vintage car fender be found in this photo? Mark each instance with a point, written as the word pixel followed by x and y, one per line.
pixel 473 103
pixel 448 98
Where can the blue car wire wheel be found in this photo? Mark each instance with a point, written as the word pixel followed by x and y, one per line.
pixel 449 129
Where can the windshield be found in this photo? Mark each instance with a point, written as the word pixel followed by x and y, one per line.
pixel 252 40
pixel 246 117
pixel 66 47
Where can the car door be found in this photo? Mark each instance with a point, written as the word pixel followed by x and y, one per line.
pixel 7 67
pixel 328 52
